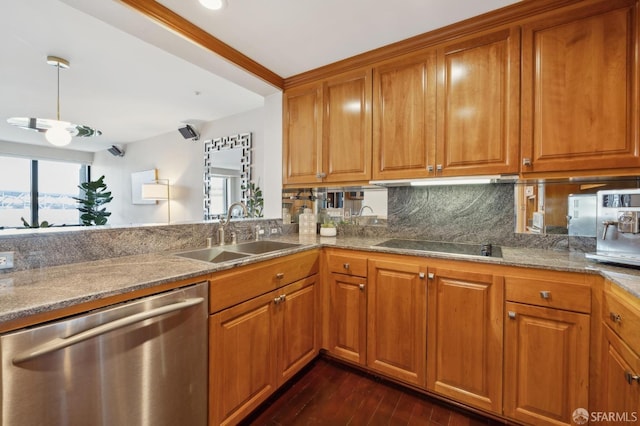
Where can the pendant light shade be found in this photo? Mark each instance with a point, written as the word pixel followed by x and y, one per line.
pixel 57 132
pixel 213 4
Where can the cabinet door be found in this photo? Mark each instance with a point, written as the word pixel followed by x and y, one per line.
pixel 242 370
pixel 464 355
pixel 397 319
pixel 546 364
pixel 579 89
pixel 479 105
pixel 346 134
pixel 404 117
pixel 347 317
pixel 302 116
pixel 620 384
pixel 296 316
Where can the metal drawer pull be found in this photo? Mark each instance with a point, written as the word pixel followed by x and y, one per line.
pixel 512 315
pixel 630 377
pixel 361 287
pixel 321 175
pixel 526 161
pixel 63 342
pixel 280 299
pixel 431 275
pixel 430 168
pixel 280 275
pixel 617 318
pixel 545 294
pixel 345 266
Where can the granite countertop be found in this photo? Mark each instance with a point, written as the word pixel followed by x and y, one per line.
pixel 41 290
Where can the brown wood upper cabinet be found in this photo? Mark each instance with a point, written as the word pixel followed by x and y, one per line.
pixel 478 105
pixel 404 113
pixel 327 131
pixel 579 88
pixel 449 111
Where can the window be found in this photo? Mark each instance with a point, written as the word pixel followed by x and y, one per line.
pixel 39 191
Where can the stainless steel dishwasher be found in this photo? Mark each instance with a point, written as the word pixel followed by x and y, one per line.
pixel 139 363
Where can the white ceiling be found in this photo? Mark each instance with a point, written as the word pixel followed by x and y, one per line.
pixel 133 80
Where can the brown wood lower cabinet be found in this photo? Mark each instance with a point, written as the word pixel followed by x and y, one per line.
pixel 620 393
pixel 397 318
pixel 348 317
pixel 546 364
pixel 263 328
pixel 464 346
pixel 620 381
pixel 258 345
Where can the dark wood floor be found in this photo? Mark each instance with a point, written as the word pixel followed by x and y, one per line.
pixel 328 393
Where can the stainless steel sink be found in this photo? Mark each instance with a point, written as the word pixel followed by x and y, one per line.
pixel 236 251
pixel 214 254
pixel 261 247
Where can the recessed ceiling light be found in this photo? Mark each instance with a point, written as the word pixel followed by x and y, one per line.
pixel 213 4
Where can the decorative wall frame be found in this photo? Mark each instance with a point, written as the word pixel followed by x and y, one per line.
pixel 241 141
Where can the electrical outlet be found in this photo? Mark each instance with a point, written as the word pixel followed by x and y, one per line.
pixel 6 260
pixel 274 231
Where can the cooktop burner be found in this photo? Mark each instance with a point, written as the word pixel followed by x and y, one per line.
pixel 444 247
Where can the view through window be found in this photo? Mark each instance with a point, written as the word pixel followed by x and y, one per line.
pixel 39 191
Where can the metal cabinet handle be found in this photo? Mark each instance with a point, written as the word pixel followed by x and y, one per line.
pixel 361 287
pixel 545 294
pixel 321 175
pixel 280 299
pixel 630 377
pixel 512 315
pixel 430 168
pixel 526 161
pixel 438 167
pixel 616 318
pixel 421 275
pixel 431 275
pixel 63 342
pixel 345 266
pixel 280 275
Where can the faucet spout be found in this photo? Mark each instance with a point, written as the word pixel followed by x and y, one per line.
pixel 225 222
pixel 362 209
pixel 245 212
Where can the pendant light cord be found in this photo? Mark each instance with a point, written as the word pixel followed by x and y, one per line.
pixel 58 98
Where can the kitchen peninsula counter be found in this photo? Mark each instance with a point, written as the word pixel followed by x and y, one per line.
pixel 37 291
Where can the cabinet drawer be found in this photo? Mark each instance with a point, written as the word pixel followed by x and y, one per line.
pixel 557 295
pixel 623 318
pixel 232 287
pixel 347 263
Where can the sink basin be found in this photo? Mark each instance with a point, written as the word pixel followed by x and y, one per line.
pixel 214 254
pixel 236 251
pixel 261 247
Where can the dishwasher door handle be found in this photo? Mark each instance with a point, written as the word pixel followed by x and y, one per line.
pixel 63 342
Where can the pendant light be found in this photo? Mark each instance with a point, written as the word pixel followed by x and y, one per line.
pixel 57 132
pixel 213 4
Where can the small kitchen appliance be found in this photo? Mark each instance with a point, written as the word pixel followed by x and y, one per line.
pixel 618 227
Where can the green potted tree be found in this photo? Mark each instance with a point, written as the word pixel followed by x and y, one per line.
pixel 255 202
pixel 95 196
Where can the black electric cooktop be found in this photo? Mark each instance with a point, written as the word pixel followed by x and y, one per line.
pixel 444 247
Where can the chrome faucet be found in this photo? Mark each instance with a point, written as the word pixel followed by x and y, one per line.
pixel 362 209
pixel 225 222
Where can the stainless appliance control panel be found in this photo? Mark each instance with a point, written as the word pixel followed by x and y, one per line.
pixel 618 227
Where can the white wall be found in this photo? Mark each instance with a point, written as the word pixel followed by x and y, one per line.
pixel 181 161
